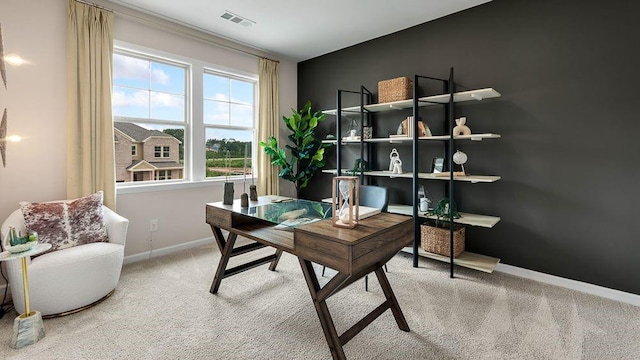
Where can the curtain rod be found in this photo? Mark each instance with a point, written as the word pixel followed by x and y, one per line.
pixel 160 26
pixel 94 5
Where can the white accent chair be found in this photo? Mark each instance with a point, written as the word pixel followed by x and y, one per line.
pixel 67 280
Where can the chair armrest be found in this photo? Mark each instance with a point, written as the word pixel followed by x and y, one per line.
pixel 117 226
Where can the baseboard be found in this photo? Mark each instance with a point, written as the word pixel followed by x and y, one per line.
pixel 601 291
pixel 166 250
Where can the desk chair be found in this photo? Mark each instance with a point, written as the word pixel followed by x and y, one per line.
pixel 375 197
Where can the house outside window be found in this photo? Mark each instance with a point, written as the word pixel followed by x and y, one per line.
pixel 160 117
pixel 150 115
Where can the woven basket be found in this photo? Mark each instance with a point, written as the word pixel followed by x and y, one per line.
pixel 395 89
pixel 436 240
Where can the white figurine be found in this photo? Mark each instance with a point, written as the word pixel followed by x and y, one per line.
pixel 461 128
pixel 397 166
pixel 393 156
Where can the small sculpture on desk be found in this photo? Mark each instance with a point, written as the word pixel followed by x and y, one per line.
pixel 461 128
pixel 228 185
pixel 253 192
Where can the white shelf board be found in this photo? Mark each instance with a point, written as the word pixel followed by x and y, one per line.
pixel 465 218
pixel 430 176
pixel 466 259
pixel 400 139
pixel 478 94
pixel 343 142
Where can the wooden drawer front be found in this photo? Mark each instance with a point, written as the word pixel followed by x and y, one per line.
pixel 382 247
pixel 323 251
pixel 396 236
pixel 219 217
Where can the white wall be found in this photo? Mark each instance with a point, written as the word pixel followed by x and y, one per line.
pixel 36 29
pixel 36 102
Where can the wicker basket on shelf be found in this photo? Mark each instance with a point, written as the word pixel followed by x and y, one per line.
pixel 395 89
pixel 436 240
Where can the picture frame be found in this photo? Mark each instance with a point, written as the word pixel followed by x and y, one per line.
pixel 437 165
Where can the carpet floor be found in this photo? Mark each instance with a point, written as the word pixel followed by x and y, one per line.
pixel 162 309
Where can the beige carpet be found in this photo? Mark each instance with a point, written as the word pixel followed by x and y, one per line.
pixel 162 309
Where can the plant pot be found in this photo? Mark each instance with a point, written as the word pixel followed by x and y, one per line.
pixel 436 240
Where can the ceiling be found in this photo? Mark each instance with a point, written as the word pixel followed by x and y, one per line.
pixel 301 29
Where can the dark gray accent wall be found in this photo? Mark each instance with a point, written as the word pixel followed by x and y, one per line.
pixel 569 158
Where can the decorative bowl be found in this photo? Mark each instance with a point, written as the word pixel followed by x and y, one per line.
pixel 22 247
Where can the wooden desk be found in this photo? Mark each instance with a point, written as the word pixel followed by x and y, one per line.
pixel 352 252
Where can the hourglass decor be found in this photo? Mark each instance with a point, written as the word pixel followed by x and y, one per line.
pixel 346 196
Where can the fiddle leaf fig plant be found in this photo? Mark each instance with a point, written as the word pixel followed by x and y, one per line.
pixel 306 151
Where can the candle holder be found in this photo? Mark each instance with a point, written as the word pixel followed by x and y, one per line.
pixel 228 193
pixel 345 198
pixel 253 193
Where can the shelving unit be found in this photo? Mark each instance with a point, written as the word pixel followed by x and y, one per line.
pixel 447 100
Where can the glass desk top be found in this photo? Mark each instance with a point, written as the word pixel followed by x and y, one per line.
pixel 289 213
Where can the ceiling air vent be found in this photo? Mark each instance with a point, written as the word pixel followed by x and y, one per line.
pixel 228 15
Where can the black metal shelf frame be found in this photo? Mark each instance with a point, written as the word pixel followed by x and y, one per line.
pixel 365 99
pixel 448 87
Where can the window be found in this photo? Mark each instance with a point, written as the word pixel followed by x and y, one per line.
pixel 229 113
pixel 161 151
pixel 169 129
pixel 149 106
pixel 162 175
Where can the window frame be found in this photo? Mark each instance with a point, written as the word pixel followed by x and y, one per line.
pixel 253 128
pixel 194 165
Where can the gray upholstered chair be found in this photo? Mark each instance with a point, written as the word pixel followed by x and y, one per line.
pixel 375 197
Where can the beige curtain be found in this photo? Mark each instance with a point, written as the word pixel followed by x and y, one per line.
pixel 90 154
pixel 268 125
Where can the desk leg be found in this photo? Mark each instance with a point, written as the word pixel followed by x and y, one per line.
pixel 274 263
pixel 228 251
pixel 339 282
pixel 226 247
pixel 322 309
pixel 395 307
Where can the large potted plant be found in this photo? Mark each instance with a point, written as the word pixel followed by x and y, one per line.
pixel 306 150
pixel 435 233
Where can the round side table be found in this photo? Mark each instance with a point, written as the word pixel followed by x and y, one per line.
pixel 28 327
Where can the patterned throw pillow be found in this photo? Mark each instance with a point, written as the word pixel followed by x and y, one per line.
pixel 65 224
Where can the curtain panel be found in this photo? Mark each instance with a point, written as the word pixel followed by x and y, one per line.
pixel 268 124
pixel 90 147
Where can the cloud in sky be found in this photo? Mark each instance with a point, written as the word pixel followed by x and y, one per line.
pixel 138 98
pixel 166 100
pixel 126 67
